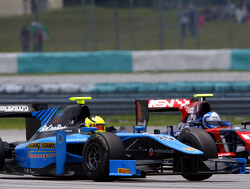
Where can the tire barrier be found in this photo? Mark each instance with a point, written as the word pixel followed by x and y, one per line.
pixel 240 88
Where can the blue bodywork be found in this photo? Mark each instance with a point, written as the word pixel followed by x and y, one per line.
pixel 52 150
pixel 43 152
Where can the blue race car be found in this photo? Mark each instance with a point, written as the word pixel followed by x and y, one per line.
pixel 67 141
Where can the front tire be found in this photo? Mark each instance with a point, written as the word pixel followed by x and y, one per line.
pixel 200 140
pixel 98 150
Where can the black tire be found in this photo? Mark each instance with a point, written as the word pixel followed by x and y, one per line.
pixel 98 150
pixel 1 155
pixel 200 140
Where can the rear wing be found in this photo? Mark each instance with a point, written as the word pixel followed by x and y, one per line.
pixel 23 111
pixel 16 110
pixel 143 107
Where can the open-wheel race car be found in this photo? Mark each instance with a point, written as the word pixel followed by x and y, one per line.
pixel 197 116
pixel 67 141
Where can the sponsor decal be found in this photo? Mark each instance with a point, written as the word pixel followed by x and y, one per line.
pixel 34 145
pixel 246 136
pixel 76 140
pixel 58 116
pixel 190 111
pixel 42 156
pixel 14 108
pixel 159 152
pixel 48 145
pixel 52 128
pixel 189 149
pixel 171 103
pixel 226 154
pixel 124 171
pixel 60 138
pixel 151 152
pixel 139 110
pixel 165 137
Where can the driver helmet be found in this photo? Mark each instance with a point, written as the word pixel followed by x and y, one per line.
pixel 211 120
pixel 96 121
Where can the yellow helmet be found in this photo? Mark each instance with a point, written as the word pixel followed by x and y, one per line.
pixel 96 121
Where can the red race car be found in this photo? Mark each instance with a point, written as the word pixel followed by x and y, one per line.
pixel 198 115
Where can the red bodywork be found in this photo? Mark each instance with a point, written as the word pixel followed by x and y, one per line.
pixel 228 139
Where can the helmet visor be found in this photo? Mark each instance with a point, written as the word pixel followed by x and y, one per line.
pixel 99 126
pixel 213 122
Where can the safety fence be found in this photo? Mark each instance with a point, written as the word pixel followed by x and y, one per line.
pixel 117 103
pixel 125 61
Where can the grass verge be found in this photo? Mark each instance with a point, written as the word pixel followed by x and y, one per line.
pixel 122 120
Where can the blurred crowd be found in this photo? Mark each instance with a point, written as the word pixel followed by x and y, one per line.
pixel 38 32
pixel 239 12
pixel 190 15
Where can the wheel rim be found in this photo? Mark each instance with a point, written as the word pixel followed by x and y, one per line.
pixel 93 156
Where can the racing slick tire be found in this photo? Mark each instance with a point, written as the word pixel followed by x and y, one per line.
pixel 98 150
pixel 200 140
pixel 1 155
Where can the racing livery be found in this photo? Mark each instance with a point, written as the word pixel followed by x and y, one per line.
pixel 230 140
pixel 59 144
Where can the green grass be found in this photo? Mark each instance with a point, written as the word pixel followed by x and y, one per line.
pixel 122 120
pixel 67 31
pixel 164 119
pixel 12 123
pixel 155 120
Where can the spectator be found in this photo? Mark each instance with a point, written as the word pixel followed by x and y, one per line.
pixel 201 21
pixel 247 19
pixel 208 13
pixel 232 8
pixel 38 39
pixel 39 33
pixel 216 13
pixel 229 10
pixel 244 11
pixel 25 39
pixel 183 20
pixel 238 15
pixel 191 19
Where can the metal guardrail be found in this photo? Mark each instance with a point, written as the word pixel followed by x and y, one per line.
pixel 109 104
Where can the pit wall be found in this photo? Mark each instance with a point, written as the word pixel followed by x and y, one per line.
pixel 125 61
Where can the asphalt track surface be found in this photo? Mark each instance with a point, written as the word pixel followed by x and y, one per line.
pixel 125 78
pixel 215 182
pixel 173 181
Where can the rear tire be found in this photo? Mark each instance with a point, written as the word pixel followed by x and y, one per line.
pixel 1 155
pixel 98 150
pixel 200 140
